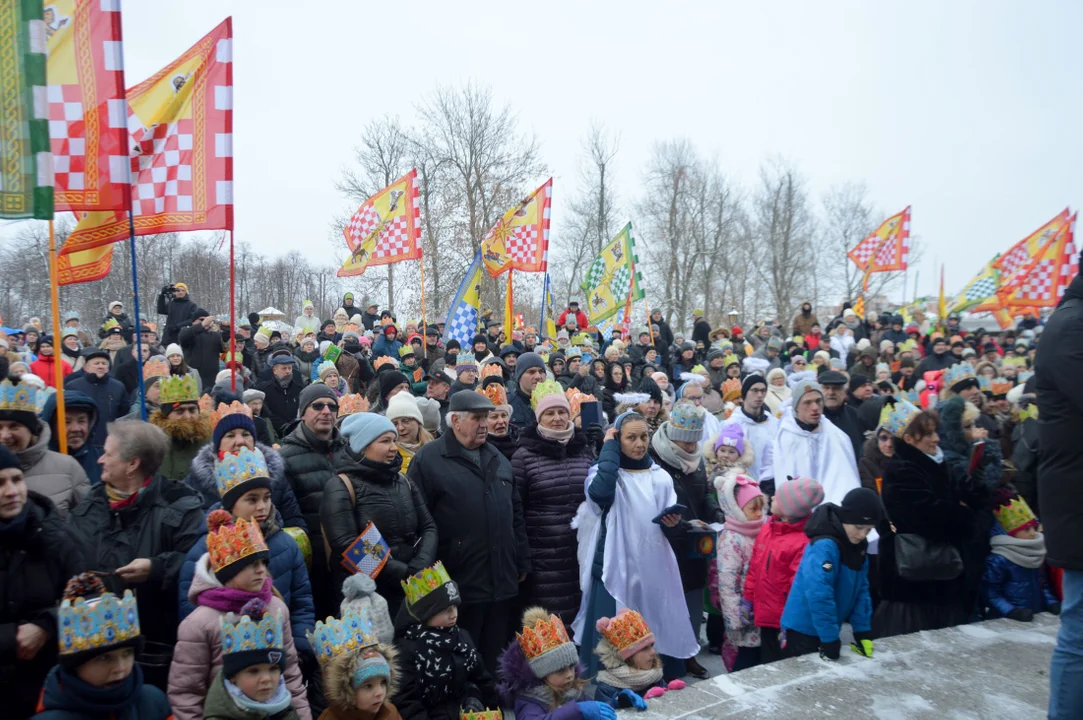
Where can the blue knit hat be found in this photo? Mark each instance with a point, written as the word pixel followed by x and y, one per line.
pixel 229 422
pixel 360 429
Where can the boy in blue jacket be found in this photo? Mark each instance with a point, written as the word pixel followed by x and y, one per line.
pixel 1014 582
pixel 832 582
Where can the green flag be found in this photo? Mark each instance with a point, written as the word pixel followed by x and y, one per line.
pixel 612 276
pixel 26 165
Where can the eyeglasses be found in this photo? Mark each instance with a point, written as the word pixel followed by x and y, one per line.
pixel 321 406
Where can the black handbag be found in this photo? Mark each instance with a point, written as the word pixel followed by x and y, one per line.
pixel 919 559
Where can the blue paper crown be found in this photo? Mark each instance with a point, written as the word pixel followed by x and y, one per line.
pixel 958 373
pixel 233 470
pixel 97 623
pixel 334 637
pixel 686 416
pixel 244 634
pixel 985 384
pixel 325 365
pixel 896 418
pixel 18 397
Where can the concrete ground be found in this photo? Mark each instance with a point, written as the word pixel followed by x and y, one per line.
pixel 986 671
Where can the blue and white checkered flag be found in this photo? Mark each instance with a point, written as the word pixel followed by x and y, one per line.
pixel 462 316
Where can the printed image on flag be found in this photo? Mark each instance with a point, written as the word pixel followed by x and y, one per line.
pixel 1022 254
pixel 612 276
pixel 368 553
pixel 462 317
pixel 88 113
pixel 981 288
pixel 1044 281
pixel 26 168
pixel 520 239
pixel 180 137
pixel 385 229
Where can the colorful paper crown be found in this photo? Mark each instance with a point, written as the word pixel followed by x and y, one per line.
pixel 385 360
pixel 421 584
pixel 576 400
pixel 1012 512
pixel 156 367
pixel 229 541
pixel 178 389
pixel 110 325
pixel 18 397
pixel 405 350
pixel 492 369
pixel 325 366
pixel 245 635
pixel 687 418
pixel 731 390
pixel 351 404
pixel 547 634
pixel 497 393
pixel 985 384
pixel 628 633
pixel 543 390
pixel 486 714
pixel 264 332
pixel 465 362
pixel 959 373
pixel 235 470
pixel 895 417
pixel 1000 387
pixel 334 637
pixel 234 408
pixel 97 623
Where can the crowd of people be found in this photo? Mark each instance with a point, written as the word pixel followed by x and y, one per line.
pixel 353 518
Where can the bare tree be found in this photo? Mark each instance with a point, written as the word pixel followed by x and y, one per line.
pixel 784 230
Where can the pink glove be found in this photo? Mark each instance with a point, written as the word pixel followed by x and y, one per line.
pixel 677 685
pixel 653 693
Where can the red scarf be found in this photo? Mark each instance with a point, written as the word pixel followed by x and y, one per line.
pixel 127 501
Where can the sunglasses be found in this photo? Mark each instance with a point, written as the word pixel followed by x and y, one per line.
pixel 321 406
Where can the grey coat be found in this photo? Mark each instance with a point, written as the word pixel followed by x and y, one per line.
pixel 58 477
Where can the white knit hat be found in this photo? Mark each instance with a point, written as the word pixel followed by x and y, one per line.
pixel 404 405
pixel 174 349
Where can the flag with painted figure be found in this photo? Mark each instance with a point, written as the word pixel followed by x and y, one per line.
pixel 1043 282
pixel 520 239
pixel 385 229
pixel 1019 257
pixel 26 167
pixel 462 317
pixel 612 276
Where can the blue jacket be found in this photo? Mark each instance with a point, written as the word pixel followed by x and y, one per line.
pixel 108 394
pixel 66 697
pixel 382 346
pixel 1007 586
pixel 288 573
pixel 829 589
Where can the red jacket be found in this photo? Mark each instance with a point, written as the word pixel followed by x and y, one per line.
pixel 581 320
pixel 812 342
pixel 775 558
pixel 43 367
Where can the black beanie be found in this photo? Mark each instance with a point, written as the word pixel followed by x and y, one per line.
pixel 434 601
pixel 649 387
pixel 861 506
pixel 857 381
pixel 749 381
pixel 8 459
pixel 389 381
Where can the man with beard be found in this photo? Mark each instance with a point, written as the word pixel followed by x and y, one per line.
pixel 529 371
pixel 804 320
pixel 283 391
pixel 108 393
pixel 180 418
pixel 80 415
pixel 841 414
pixel 177 306
pixel 940 359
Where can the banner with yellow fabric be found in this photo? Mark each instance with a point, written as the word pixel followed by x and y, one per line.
pixel 612 277
pixel 385 229
pixel 520 239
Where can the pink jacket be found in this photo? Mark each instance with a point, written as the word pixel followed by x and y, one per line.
pixel 197 656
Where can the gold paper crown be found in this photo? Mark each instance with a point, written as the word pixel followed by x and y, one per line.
pixel 351 327
pixel 334 637
pixel 385 360
pixel 421 584
pixel 487 714
pixel 731 390
pixel 18 397
pixel 497 394
pixel 351 404
pixel 99 623
pixel 491 370
pixel 628 631
pixel 228 543
pixel 543 390
pixel 547 634
pixel 110 324
pixel 234 408
pixel 178 389
pixel 156 367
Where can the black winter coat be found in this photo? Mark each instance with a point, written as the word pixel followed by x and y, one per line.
pixel 701 333
pixel 35 564
pixel 280 405
pixel 126 367
pixel 395 505
pixel 694 492
pixel 108 394
pixel 162 525
pixel 478 515
pixel 551 479
pixel 202 348
pixel 127 327
pixel 522 414
pixel 440 671
pixel 310 464
pixel 179 314
pixel 664 338
pixel 1060 426
pixel 845 418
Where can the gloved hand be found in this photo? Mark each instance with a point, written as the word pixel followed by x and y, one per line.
pixel 676 685
pixel 629 699
pixel 595 435
pixel 1054 608
pixel 654 692
pixel 594 710
pixel 473 705
pixel 831 650
pixel 1021 614
pixel 862 644
pixel 746 613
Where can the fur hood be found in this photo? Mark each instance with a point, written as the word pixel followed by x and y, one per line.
pixel 726 487
pixel 748 457
pixel 516 678
pixel 336 676
pixel 202 469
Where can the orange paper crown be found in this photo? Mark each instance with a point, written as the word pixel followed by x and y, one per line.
pixel 229 541
pixel 491 370
pixel 547 634
pixel 576 398
pixel 627 632
pixel 731 390
pixel 496 393
pixel 156 366
pixel 385 360
pixel 1000 387
pixel 351 404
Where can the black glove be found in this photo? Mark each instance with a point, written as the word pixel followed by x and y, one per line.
pixel 1021 614
pixel 473 705
pixel 831 650
pixel 595 434
pixel 1054 608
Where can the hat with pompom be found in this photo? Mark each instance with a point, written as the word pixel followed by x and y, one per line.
pixel 233 546
pixel 627 632
pixel 545 643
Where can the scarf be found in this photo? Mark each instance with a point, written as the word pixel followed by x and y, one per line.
pixel 113 701
pixel 1024 553
pixel 437 650
pixel 760 417
pixel 551 699
pixel 269 526
pixel 119 500
pixel 626 676
pixel 278 702
pixel 748 528
pixel 560 436
pixel 16 525
pixel 227 599
pixel 672 455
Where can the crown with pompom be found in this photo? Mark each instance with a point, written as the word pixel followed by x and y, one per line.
pixel 229 542
pixel 896 416
pixel 156 367
pixel 686 420
pixel 496 392
pixel 543 390
pixel 255 630
pixel 178 389
pixel 731 390
pixel 1012 512
pixel 492 369
pixel 351 404
pixel 547 633
pixel 627 632
pixel 486 714
pixel 234 470
pixel 422 583
pixel 102 621
pixel 385 360
pixel 334 637
pixel 1000 387
pixel 18 397
pixel 959 373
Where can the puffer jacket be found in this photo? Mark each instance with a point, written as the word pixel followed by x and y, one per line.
pixel 310 463
pixel 551 479
pixel 58 477
pixel 395 505
pixel 775 558
pixel 733 561
pixel 66 697
pixel 1006 586
pixel 197 656
pixel 35 564
pixel 201 479
pixel 286 565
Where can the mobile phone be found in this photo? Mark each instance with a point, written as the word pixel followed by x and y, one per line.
pixel 591 413
pixel 677 509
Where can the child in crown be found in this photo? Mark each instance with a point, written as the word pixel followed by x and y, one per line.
pixel 250 685
pixel 1014 582
pixel 633 670
pixel 232 572
pixel 359 672
pixel 97 675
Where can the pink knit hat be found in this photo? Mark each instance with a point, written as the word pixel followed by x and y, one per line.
pixel 797 498
pixel 747 490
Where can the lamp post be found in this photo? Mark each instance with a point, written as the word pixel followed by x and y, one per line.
pixel 733 315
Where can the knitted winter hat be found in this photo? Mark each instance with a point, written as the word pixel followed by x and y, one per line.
pixel 311 394
pixel 797 498
pixel 750 382
pixel 173 349
pixel 861 506
pixel 361 429
pixel 545 643
pixel 232 421
pixel 732 436
pixel 686 423
pixel 391 379
pixel 359 596
pixel 403 405
pixel 527 361
pixel 746 490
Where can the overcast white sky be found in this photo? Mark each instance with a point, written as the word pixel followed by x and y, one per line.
pixel 968 111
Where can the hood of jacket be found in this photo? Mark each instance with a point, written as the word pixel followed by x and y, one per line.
pixel 34 452
pixel 73 400
pixel 203 580
pixel 42 512
pixel 336 676
pixel 871 452
pixel 826 523
pixel 202 469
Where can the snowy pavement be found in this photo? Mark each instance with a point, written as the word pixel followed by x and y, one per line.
pixel 986 671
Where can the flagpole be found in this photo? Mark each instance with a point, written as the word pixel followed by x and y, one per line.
pixel 138 320
pixel 424 314
pixel 232 320
pixel 58 359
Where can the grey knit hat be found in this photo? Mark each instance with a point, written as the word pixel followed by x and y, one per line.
pixel 803 387
pixel 541 642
